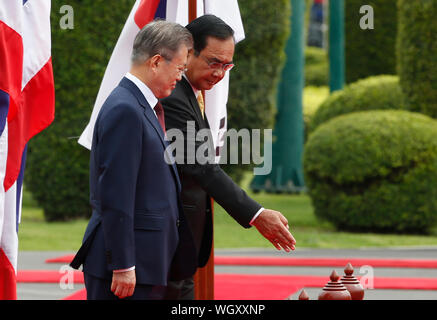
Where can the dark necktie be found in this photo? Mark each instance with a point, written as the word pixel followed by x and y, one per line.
pixel 160 114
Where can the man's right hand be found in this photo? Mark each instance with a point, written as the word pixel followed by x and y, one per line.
pixel 274 227
pixel 123 283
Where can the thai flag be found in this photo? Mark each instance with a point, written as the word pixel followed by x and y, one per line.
pixel 27 104
pixel 142 13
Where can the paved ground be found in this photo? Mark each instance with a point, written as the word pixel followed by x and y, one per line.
pixel 30 260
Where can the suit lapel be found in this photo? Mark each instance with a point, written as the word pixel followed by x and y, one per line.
pixel 148 112
pixel 188 91
pixel 153 120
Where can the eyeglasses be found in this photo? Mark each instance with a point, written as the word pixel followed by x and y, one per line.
pixel 218 65
pixel 180 70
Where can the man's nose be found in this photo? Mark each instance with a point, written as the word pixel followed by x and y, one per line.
pixel 219 72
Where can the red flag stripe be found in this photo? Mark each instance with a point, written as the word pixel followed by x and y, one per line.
pixel 145 12
pixel 36 112
pixel 7 278
pixel 11 62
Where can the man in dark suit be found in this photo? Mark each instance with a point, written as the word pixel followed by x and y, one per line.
pixel 137 232
pixel 207 63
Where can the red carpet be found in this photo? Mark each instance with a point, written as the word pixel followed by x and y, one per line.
pixel 78 295
pixel 47 276
pixel 277 287
pixel 310 262
pixel 63 259
pixel 268 287
pixel 325 262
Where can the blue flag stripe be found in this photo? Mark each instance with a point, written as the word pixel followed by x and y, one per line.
pixel 161 12
pixel 4 108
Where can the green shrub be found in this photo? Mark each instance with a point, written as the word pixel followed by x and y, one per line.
pixel 259 59
pixel 57 166
pixel 313 97
pixel 315 55
pixel 316 67
pixel 378 92
pixel 417 55
pixel 374 171
pixel 370 52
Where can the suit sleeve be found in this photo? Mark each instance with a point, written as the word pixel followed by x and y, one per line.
pixel 209 176
pixel 119 155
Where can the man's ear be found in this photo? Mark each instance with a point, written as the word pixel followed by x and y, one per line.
pixel 191 56
pixel 190 53
pixel 155 61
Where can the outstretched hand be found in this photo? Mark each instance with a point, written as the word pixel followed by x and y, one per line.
pixel 274 227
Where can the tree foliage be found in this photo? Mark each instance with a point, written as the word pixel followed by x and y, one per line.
pixel 57 166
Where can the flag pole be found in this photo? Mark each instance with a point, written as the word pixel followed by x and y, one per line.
pixel 204 277
pixel 192 10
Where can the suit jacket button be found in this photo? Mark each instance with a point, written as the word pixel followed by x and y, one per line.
pixel 178 223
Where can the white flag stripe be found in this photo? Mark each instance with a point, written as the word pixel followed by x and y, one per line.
pixel 177 11
pixel 229 12
pixel 36 37
pixel 10 14
pixel 216 99
pixel 9 237
pixel 118 65
pixel 200 10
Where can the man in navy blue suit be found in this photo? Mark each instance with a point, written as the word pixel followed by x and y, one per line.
pixel 137 238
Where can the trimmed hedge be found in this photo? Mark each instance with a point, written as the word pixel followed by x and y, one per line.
pixel 370 52
pixel 57 166
pixel 259 59
pixel 417 54
pixel 378 92
pixel 316 67
pixel 374 171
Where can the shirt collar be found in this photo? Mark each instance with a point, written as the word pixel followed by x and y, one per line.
pixel 196 92
pixel 145 90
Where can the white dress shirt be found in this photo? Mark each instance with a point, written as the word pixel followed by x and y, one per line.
pixel 145 90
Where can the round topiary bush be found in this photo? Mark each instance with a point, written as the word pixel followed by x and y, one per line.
pixel 373 93
pixel 374 171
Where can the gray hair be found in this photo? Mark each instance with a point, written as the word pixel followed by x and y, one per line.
pixel 160 37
